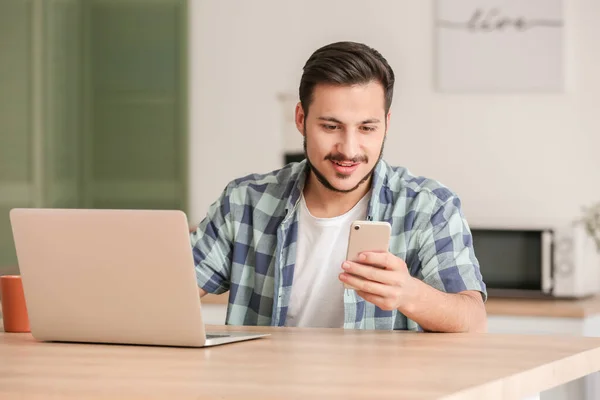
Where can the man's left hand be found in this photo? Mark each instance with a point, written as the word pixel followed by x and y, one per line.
pixel 380 278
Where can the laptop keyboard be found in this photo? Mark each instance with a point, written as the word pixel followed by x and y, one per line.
pixel 215 336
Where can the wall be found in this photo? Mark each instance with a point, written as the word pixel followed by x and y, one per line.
pixel 513 159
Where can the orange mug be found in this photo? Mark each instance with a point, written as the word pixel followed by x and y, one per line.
pixel 14 309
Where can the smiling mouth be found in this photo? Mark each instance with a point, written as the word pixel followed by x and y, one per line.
pixel 344 167
pixel 345 163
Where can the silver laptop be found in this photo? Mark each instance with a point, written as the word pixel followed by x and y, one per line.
pixel 111 276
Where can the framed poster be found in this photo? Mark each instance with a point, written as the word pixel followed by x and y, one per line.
pixel 499 46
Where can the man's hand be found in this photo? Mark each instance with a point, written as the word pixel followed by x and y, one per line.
pixel 380 278
pixel 384 280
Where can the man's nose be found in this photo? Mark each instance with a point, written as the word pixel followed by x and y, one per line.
pixel 348 145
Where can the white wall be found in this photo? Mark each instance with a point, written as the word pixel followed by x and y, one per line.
pixel 513 159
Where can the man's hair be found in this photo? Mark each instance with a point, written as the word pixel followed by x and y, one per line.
pixel 345 63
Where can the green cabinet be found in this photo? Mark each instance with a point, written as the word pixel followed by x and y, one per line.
pixel 61 133
pixel 19 183
pixel 93 107
pixel 136 104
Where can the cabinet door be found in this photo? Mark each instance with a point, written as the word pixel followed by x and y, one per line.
pixel 62 103
pixel 135 78
pixel 18 188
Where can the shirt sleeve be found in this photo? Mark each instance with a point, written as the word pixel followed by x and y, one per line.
pixel 446 253
pixel 212 244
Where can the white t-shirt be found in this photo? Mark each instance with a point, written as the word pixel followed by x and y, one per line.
pixel 317 299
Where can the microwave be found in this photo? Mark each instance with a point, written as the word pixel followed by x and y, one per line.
pixel 538 262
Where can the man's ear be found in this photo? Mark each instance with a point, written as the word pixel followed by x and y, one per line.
pixel 300 118
pixel 387 121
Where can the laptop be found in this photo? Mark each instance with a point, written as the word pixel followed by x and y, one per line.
pixel 111 276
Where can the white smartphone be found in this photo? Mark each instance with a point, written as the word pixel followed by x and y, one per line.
pixel 367 236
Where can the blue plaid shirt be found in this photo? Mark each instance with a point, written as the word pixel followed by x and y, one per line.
pixel 247 244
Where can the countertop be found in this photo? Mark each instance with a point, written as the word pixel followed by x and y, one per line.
pixel 561 308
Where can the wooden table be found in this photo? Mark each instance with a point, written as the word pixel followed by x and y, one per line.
pixel 301 363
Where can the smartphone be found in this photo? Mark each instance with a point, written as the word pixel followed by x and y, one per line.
pixel 367 236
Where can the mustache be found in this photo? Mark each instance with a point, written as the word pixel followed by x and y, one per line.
pixel 338 157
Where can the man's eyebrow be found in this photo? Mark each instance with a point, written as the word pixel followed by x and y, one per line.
pixel 337 121
pixel 371 121
pixel 331 119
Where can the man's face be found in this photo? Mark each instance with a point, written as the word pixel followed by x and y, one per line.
pixel 344 133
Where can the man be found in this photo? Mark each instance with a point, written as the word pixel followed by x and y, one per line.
pixel 278 241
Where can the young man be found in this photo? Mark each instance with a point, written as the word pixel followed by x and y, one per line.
pixel 278 241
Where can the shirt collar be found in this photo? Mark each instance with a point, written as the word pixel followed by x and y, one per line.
pixel 379 191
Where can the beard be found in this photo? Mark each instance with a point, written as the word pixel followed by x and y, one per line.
pixel 341 158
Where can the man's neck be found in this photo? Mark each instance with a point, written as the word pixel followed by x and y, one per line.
pixel 325 203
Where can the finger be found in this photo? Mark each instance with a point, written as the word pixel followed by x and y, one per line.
pixel 376 274
pixel 372 298
pixel 381 259
pixel 365 285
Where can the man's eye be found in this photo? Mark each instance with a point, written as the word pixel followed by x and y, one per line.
pixel 369 128
pixel 330 127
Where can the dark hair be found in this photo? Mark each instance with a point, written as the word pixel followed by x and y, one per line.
pixel 346 63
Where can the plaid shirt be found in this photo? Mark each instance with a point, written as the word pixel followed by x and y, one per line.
pixel 247 244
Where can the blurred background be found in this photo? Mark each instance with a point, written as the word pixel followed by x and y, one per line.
pixel 159 103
